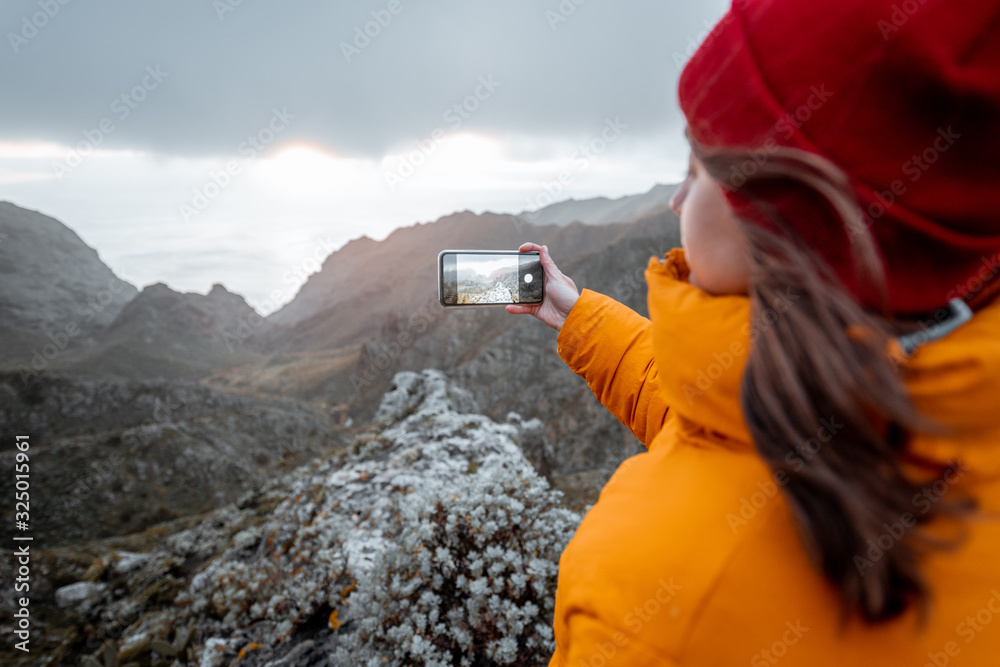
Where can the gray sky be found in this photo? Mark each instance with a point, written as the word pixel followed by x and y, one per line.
pixel 486 265
pixel 165 96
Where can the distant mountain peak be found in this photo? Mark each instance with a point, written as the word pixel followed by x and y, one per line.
pixel 52 278
pixel 602 210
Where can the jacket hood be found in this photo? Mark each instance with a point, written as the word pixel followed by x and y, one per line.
pixel 701 343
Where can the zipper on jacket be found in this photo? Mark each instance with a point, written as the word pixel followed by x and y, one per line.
pixel 959 313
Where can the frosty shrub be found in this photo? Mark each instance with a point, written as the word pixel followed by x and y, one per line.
pixel 470 578
pixel 431 541
pixel 273 586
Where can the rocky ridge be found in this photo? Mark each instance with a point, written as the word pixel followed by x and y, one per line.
pixel 124 454
pixel 432 541
pixel 57 292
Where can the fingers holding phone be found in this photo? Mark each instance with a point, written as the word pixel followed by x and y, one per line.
pixel 561 292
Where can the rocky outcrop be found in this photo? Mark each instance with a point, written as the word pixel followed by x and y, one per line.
pixel 129 454
pixel 178 574
pixel 430 541
pixel 497 293
pixel 510 362
pixel 63 309
pixel 166 334
pixel 56 291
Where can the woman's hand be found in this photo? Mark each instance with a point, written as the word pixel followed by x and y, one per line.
pixel 560 292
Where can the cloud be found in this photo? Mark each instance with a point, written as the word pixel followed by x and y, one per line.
pixel 117 113
pixel 229 63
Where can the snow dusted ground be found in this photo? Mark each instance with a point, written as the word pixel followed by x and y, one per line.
pixel 432 542
pixel 499 293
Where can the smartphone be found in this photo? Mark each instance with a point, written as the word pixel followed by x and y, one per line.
pixel 490 277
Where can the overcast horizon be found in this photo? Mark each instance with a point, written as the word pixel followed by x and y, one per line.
pixel 230 142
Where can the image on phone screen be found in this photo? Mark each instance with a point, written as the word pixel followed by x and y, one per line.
pixel 483 278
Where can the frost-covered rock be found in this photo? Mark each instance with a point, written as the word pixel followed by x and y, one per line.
pixel 430 391
pixel 433 536
pixel 81 596
pixel 128 561
pixel 213 654
pixel 470 578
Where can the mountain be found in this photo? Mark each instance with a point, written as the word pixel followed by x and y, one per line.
pixel 469 274
pixel 315 347
pixel 353 263
pixel 63 310
pixel 166 334
pixel 345 345
pixel 353 259
pixel 601 210
pixel 56 292
pixel 342 426
pixel 372 311
pixel 502 275
pixel 127 454
pixel 300 570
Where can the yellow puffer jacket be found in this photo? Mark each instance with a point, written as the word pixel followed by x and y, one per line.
pixel 690 555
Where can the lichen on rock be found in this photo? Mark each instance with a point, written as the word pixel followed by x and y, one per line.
pixel 432 541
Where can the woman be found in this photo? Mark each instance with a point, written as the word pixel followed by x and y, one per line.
pixel 818 383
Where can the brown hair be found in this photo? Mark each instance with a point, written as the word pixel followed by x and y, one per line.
pixel 807 367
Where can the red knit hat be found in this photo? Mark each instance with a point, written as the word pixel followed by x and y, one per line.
pixel 903 95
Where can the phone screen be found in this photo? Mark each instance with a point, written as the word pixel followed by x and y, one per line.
pixel 483 278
